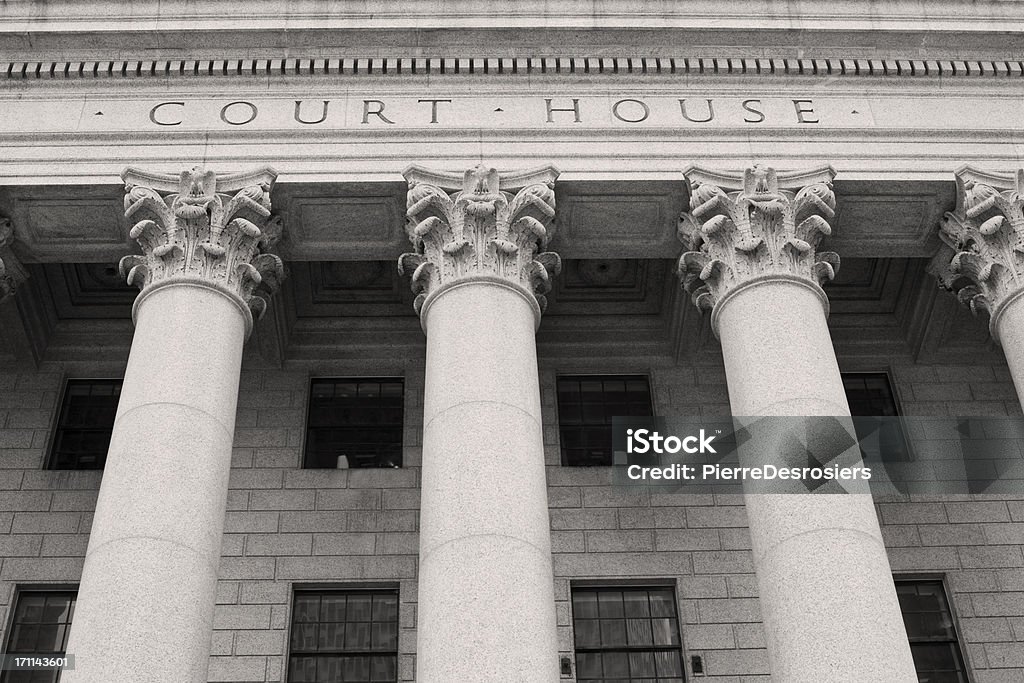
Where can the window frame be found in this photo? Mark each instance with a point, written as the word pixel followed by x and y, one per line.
pixel 384 587
pixel 627 585
pixel 28 589
pixel 55 424
pixel 644 374
pixel 312 379
pixel 943 582
pixel 908 447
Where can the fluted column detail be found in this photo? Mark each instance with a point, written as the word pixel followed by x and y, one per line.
pixel 983 258
pixel 146 599
pixel 11 272
pixel 480 273
pixel 752 257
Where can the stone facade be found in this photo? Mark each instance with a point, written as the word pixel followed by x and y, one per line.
pixel 558 184
pixel 285 524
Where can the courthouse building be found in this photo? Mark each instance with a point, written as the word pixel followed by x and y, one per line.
pixel 314 316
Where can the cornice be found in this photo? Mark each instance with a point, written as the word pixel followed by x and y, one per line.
pixel 508 66
pixel 815 15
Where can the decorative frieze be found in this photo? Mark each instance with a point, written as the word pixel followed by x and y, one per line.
pixel 203 227
pixel 761 223
pixel 984 264
pixel 481 230
pixel 11 272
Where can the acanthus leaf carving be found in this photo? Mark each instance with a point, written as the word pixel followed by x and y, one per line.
pixel 203 226
pixel 480 230
pixel 12 273
pixel 983 262
pixel 760 223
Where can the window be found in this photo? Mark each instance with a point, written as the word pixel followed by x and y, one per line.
pixel 82 436
pixel 40 626
pixel 626 635
pixel 870 395
pixel 933 638
pixel 586 406
pixel 344 635
pixel 355 423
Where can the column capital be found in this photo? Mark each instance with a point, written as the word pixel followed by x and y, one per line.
pixel 11 272
pixel 471 226
pixel 760 224
pixel 204 228
pixel 984 262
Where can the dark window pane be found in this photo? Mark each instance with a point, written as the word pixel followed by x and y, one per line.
pixel 665 631
pixel 82 436
pixel 357 636
pixel 616 664
pixel 588 633
pixel 355 423
pixel 588 665
pixel 304 637
pixel 669 663
pixel 586 406
pixel 871 395
pixel 584 604
pixel 332 637
pixel 641 665
pixel 610 604
pixel 638 632
pixel 663 603
pixel 933 640
pixel 40 626
pixel 620 638
pixel 354 634
pixel 636 604
pixel 613 633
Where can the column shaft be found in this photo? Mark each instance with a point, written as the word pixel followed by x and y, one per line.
pixel 826 590
pixel 146 599
pixel 486 610
pixel 983 260
pixel 1011 337
pixel 486 599
pixel 145 606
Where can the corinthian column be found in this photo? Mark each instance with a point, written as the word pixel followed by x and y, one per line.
pixel 486 604
pixel 827 596
pixel 984 264
pixel 145 603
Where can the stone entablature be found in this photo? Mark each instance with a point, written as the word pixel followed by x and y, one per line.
pixel 480 231
pixel 754 226
pixel 986 235
pixel 90 17
pixel 205 228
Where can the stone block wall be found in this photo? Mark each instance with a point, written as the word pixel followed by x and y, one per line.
pixel 287 527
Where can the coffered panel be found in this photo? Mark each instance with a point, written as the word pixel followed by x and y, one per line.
pixel 68 223
pixel 342 222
